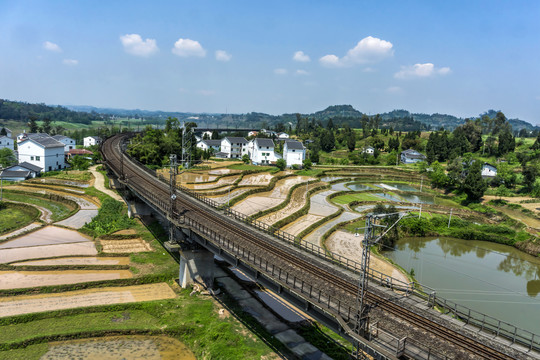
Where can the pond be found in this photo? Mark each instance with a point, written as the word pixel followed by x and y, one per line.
pixel 397 186
pixel 419 199
pixel 491 278
pixel 359 187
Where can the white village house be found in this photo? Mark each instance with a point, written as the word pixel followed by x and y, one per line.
pixel 369 150
pixel 489 171
pixel 20 172
pixel 91 140
pixel 294 152
pixel 7 142
pixel 262 151
pixel 411 156
pixel 210 144
pixel 234 147
pixel 6 130
pixel 68 142
pixel 43 152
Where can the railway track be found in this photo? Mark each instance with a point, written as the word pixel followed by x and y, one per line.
pixel 318 273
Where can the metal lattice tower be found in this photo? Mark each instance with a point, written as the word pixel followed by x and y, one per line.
pixel 173 171
pixel 187 144
pixel 362 316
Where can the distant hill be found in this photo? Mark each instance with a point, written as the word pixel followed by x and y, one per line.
pixel 340 114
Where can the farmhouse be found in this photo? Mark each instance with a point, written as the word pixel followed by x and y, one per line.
pixel 411 156
pixel 262 151
pixel 210 144
pixel 68 142
pixel 368 150
pixel 7 142
pixel 489 171
pixel 43 152
pixel 91 140
pixel 234 147
pixel 294 152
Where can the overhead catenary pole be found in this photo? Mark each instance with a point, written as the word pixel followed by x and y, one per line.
pixel 172 192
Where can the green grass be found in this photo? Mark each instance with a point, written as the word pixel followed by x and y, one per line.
pixel 59 211
pixel 92 191
pixel 346 199
pixel 310 172
pixel 15 216
pixel 193 320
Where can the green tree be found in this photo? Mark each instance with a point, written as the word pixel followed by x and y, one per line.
pixel 507 142
pixel 351 141
pixel 47 125
pixel 307 164
pixel 3 132
pixel 473 184
pixel 281 164
pixel 79 163
pixel 7 157
pixel 32 123
pixel 438 176
pixel 245 158
pixel 328 142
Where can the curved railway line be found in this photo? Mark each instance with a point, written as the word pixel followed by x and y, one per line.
pixel 318 273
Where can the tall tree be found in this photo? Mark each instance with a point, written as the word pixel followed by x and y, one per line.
pixel 473 184
pixel 507 142
pixel 32 123
pixel 351 141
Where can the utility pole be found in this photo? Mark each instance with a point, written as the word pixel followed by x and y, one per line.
pixel 421 183
pixel 450 218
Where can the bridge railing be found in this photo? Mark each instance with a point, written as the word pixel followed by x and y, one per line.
pixel 469 316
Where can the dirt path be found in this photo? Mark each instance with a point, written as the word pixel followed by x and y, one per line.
pixel 350 246
pixel 99 184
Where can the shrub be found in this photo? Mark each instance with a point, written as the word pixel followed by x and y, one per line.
pixel 110 218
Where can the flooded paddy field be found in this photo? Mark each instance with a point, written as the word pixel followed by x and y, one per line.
pixel 120 347
pixel 45 251
pixel 49 235
pixel 259 202
pixel 221 182
pixel 298 200
pixel 261 179
pixel 222 199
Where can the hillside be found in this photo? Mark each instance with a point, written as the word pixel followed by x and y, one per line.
pixel 400 119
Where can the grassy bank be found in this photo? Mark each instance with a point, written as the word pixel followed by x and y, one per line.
pixel 15 216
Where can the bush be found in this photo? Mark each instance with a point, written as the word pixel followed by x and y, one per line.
pixel 281 164
pixel 110 218
pixel 416 226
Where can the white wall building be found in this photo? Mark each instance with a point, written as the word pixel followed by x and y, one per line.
pixel 262 151
pixel 488 171
pixel 369 150
pixel 294 152
pixel 282 136
pixel 8 132
pixel 234 147
pixel 42 151
pixel 68 142
pixel 7 142
pixel 210 144
pixel 91 140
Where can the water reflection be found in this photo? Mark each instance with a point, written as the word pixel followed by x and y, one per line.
pixel 419 199
pixel 486 277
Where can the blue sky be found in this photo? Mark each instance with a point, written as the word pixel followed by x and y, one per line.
pixel 455 57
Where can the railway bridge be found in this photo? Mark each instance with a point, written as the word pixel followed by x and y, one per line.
pixel 405 321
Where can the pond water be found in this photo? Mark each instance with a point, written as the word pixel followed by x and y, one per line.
pixel 419 199
pixel 120 347
pixel 402 187
pixel 388 197
pixel 359 187
pixel 331 178
pixel 491 278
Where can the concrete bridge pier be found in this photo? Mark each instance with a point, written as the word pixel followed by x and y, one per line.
pixel 196 266
pixel 137 208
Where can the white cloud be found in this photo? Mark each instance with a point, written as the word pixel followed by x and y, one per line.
pixel 70 62
pixel 420 71
pixel 222 55
pixel 393 90
pixel 280 71
pixel 206 92
pixel 301 57
pixel 187 48
pixel 369 70
pixel 368 50
pixel 49 46
pixel 330 61
pixel 301 72
pixel 135 45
